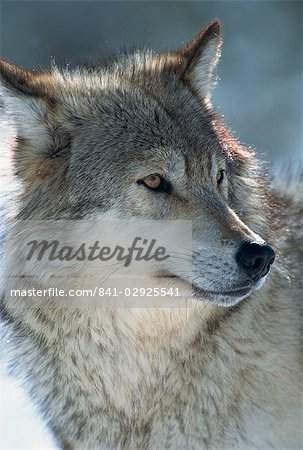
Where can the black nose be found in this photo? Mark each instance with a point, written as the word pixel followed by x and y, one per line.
pixel 255 258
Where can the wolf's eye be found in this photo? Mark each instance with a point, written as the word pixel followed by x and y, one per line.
pixel 156 183
pixel 220 177
pixel 153 181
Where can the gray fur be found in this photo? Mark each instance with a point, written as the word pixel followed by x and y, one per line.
pixel 207 378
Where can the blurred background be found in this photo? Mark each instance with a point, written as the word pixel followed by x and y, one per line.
pixel 259 92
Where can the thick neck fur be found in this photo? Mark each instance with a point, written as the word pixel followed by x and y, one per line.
pixel 120 363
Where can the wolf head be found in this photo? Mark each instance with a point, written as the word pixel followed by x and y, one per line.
pixel 138 137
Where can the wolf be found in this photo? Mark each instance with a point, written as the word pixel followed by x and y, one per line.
pixel 137 137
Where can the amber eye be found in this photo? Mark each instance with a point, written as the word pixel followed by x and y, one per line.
pixel 153 181
pixel 220 177
pixel 156 183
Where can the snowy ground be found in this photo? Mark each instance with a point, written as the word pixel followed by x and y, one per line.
pixel 20 427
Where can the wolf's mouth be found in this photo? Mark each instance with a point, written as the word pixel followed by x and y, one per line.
pixel 233 293
pixel 223 298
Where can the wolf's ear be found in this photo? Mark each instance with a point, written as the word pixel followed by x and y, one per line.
pixel 197 60
pixel 22 81
pixel 30 100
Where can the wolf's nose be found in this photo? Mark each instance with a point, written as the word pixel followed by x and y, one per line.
pixel 255 258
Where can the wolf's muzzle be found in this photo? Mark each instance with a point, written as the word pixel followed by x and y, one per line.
pixel 255 259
